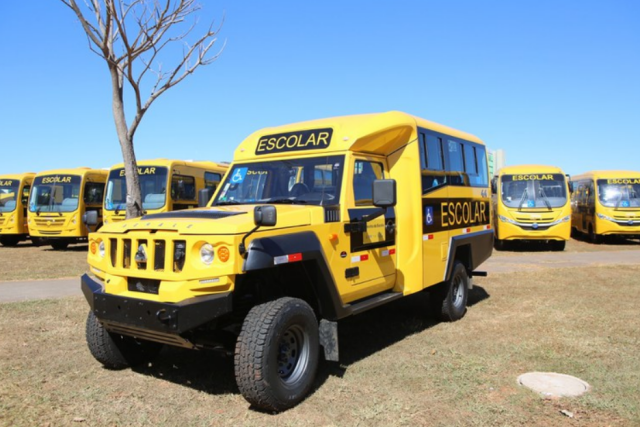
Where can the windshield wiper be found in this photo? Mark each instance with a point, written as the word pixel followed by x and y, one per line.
pixel 544 197
pixel 524 194
pixel 38 210
pixel 289 201
pixel 227 202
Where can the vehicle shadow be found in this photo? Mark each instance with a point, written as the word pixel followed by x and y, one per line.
pixel 607 240
pixel 526 246
pixel 359 336
pixel 75 248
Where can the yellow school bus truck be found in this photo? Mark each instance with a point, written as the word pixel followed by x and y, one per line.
pixel 606 203
pixel 14 194
pixel 314 222
pixel 59 198
pixel 531 203
pixel 184 179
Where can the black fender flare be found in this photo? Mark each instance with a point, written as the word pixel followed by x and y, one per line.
pixel 272 252
pixel 481 247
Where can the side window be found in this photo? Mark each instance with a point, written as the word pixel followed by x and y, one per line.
pixel 432 163
pixel 364 174
pixel 211 180
pixel 183 187
pixel 470 161
pixel 25 193
pixel 93 193
pixel 456 163
pixel 481 177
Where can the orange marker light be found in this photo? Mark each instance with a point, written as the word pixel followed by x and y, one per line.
pixel 223 253
pixel 94 247
pixel 332 237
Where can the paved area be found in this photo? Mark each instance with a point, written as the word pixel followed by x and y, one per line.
pixel 45 289
pixel 39 289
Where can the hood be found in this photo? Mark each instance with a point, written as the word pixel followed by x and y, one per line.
pixel 222 220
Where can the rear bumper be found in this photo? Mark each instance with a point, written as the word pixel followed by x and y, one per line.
pixel 115 311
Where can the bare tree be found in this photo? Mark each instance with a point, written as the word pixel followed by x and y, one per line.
pixel 133 34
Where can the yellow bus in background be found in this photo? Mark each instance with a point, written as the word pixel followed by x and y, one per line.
pixel 606 203
pixel 59 198
pixel 184 179
pixel 532 203
pixel 14 194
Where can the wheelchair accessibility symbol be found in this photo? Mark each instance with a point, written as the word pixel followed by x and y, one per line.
pixel 428 215
pixel 238 175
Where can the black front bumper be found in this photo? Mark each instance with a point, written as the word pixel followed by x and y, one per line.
pixel 143 315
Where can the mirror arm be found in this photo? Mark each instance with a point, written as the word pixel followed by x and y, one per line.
pixel 242 248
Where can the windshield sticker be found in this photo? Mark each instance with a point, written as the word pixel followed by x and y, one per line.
pixel 294 141
pixel 56 179
pixel 531 203
pixel 532 177
pixel 6 183
pixel 142 171
pixel 624 181
pixel 239 175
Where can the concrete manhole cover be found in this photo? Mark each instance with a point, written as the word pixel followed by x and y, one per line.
pixel 550 384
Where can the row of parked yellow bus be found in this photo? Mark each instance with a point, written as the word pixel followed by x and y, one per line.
pixel 541 203
pixel 48 207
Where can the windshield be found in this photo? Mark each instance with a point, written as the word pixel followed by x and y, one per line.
pixel 534 191
pixel 619 193
pixel 314 181
pixel 55 193
pixel 153 184
pixel 8 194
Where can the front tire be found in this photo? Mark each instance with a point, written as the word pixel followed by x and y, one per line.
pixel 593 236
pixel 9 241
pixel 117 351
pixel 558 245
pixel 449 299
pixel 59 246
pixel 276 354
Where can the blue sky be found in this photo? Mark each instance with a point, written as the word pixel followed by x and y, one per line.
pixel 551 82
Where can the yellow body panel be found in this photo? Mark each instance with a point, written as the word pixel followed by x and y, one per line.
pixel 48 214
pixel 14 195
pixel 538 222
pixel 620 216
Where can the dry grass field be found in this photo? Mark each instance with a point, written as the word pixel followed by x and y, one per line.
pixel 398 366
pixel 28 262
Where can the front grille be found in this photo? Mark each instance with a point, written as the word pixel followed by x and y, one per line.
pixel 163 255
pixel 529 220
pixel 49 221
pixel 50 233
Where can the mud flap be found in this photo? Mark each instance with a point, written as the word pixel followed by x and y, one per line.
pixel 328 333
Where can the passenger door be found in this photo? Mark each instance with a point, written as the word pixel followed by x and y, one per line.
pixel 369 263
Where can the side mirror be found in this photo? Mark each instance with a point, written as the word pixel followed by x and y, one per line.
pixel 494 185
pixel 384 193
pixel 266 215
pixel 204 196
pixel 90 218
pixel 570 186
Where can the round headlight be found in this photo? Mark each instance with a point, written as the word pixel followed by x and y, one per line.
pixel 101 248
pixel 206 253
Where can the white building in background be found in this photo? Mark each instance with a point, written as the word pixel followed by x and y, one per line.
pixel 497 161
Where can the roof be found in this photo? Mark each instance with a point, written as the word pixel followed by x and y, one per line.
pixel 379 133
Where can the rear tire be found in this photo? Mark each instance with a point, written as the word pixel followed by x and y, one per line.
pixel 117 351
pixel 449 299
pixel 277 354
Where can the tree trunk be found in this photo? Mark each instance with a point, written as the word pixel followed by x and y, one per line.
pixel 134 197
